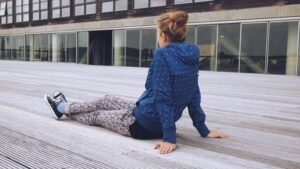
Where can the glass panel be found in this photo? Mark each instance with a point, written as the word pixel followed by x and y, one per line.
pixel 107 6
pixel 90 1
pixel 35 1
pixel 79 10
pixel 9 4
pixel 25 8
pixel 55 3
pixel 119 47
pixel 18 18
pixel 71 47
pixel 61 47
pixel 2 48
pixel 18 2
pixel 65 3
pixel 55 13
pixel 82 47
pixel 190 36
pixel 18 9
pixel 206 40
pixel 36 7
pixel 141 4
pixel 132 48
pixel 79 1
pixel 65 12
pixel 283 48
pixel 25 17
pixel 158 3
pixel 148 46
pixel 13 48
pixel 3 20
pixel 121 5
pixel 183 1
pixel 20 47
pixel 36 16
pixel 7 53
pixel 203 0
pixel 25 2
pixel 9 11
pixel 44 5
pixel 91 9
pixel 28 47
pixel 44 15
pixel 228 49
pixel 9 19
pixel 41 47
pixel 253 49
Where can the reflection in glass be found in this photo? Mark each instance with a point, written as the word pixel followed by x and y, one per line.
pixel 132 47
pixel 148 46
pixel 206 40
pixel 183 1
pixel 28 47
pixel 61 47
pixel 228 47
pixel 7 49
pixel 17 48
pixel 42 47
pixel 190 36
pixel 121 5
pixel 71 47
pixel 253 49
pixel 82 49
pixel 283 48
pixel 107 6
pixel 155 3
pixel 140 4
pixel 119 47
pixel 2 48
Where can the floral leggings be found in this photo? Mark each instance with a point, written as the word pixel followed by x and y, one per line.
pixel 109 112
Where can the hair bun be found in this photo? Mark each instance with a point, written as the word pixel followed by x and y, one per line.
pixel 179 17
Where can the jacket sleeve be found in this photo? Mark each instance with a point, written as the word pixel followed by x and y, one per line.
pixel 197 114
pixel 162 90
pixel 149 76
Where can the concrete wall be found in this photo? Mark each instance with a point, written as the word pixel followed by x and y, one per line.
pixel 283 12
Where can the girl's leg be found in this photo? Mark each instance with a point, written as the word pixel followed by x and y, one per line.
pixel 107 102
pixel 115 120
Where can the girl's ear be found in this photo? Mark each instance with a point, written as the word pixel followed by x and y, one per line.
pixel 165 38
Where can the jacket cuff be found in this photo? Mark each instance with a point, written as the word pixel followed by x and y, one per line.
pixel 203 130
pixel 169 136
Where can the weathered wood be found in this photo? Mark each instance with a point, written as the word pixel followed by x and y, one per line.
pixel 260 112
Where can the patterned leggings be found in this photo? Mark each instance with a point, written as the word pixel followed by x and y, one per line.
pixel 109 112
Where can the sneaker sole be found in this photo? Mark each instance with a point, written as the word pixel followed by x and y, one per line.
pixel 48 104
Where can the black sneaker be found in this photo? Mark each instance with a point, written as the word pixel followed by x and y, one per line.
pixel 56 94
pixel 52 104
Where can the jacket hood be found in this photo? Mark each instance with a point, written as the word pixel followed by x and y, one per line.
pixel 186 53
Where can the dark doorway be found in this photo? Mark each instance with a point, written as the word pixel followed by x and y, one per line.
pixel 100 48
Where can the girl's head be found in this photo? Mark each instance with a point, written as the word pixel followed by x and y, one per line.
pixel 172 27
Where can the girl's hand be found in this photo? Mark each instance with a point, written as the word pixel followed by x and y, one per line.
pixel 165 147
pixel 217 134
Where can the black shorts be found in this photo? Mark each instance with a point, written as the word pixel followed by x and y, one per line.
pixel 137 131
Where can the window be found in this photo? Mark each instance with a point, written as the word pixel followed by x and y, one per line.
pixel 138 4
pixel 6 12
pixel 190 36
pixel 253 48
pixel 228 47
pixel 82 47
pixel 283 48
pixel 66 47
pixel 206 40
pixel 22 11
pixel 85 7
pixel 189 1
pixel 17 47
pixel 132 48
pixel 148 46
pixel 60 8
pixel 39 10
pixel 119 47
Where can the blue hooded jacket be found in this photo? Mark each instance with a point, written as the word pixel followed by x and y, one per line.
pixel 171 86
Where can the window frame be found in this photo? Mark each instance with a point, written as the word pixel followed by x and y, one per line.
pixel 114 6
pixel 22 13
pixel 40 10
pixel 84 4
pixel 148 6
pixel 60 8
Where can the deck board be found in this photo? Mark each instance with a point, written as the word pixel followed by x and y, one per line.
pixel 260 112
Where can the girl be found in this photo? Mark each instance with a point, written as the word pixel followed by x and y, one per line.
pixel 171 86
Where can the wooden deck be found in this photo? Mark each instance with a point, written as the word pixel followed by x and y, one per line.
pixel 261 113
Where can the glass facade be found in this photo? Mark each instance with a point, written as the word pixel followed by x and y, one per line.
pixel 149 44
pixel 228 47
pixel 206 40
pixel 253 49
pixel 82 47
pixel 250 47
pixel 85 7
pixel 132 48
pixel 60 8
pixel 119 40
pixel 283 48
